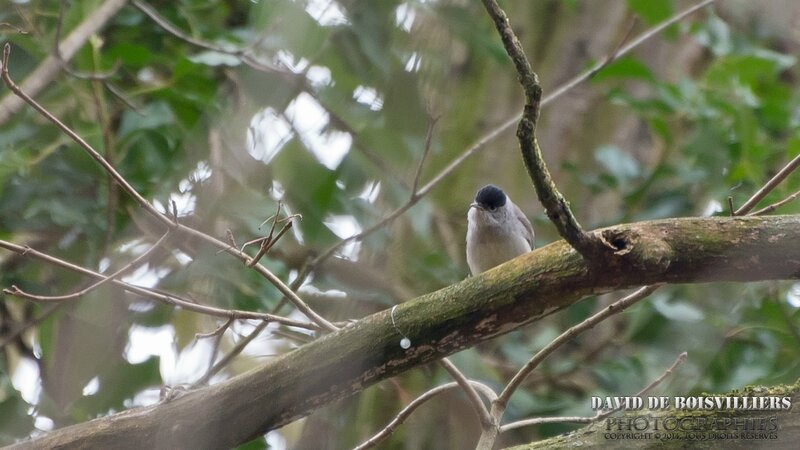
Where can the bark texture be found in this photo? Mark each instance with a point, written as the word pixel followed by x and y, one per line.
pixel 536 284
pixel 696 424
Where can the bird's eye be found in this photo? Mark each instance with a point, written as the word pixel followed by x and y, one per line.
pixel 492 208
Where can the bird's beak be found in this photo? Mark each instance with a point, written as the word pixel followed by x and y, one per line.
pixel 475 205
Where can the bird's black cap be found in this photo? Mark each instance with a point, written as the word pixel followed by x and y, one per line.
pixel 491 196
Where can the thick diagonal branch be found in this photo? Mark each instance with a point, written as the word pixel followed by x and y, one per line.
pixel 479 308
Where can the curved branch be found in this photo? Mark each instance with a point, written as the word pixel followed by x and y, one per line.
pixel 600 414
pixel 472 394
pixel 768 187
pixel 523 290
pixel 614 308
pixel 80 293
pixel 47 70
pixel 555 205
pixel 484 140
pixel 416 403
pixel 169 222
pixel 145 292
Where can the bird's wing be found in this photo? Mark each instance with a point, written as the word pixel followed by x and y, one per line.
pixel 525 223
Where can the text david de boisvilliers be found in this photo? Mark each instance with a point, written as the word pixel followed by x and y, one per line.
pixel 768 403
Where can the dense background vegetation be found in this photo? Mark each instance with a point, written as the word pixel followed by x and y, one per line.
pixel 328 109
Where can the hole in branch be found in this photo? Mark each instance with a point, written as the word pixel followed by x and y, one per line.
pixel 616 240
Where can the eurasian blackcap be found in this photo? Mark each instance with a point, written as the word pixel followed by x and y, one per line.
pixel 497 230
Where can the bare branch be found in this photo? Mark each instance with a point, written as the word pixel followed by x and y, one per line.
pixel 484 140
pixel 416 403
pixel 477 309
pixel 65 64
pixel 614 308
pixel 543 420
pixel 678 361
pixel 768 187
pixel 149 293
pixel 472 394
pixel 241 53
pixel 76 295
pixel 217 335
pixel 554 203
pixel 170 223
pixel 16 29
pixel 488 436
pixel 79 140
pixel 233 353
pixel 218 332
pixel 47 70
pixel 269 241
pixel 652 32
pixel 600 414
pixel 774 206
pixel 425 151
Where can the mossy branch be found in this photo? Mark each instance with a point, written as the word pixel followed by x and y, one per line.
pixel 462 315
pixel 691 426
pixel 555 205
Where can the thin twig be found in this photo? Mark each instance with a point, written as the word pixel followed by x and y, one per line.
pixel 65 64
pixel 78 294
pixel 153 294
pixel 217 335
pixel 678 361
pixel 472 394
pixel 147 206
pixel 269 241
pixel 13 27
pixel 47 70
pixel 364 233
pixel 416 403
pixel 122 97
pixel 484 140
pixel 544 420
pixel 774 206
pixel 241 53
pixel 614 308
pixel 768 187
pixel 425 151
pixel 233 353
pixel 79 140
pixel 151 12
pixel 265 241
pixel 101 110
pixel 218 332
pixel 626 49
pixel 613 55
pixel 600 414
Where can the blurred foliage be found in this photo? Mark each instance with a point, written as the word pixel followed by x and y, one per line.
pixel 334 128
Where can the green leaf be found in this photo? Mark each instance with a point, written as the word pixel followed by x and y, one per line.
pixel 621 165
pixel 716 35
pixel 15 419
pixel 626 67
pixel 153 115
pixel 130 55
pixel 651 11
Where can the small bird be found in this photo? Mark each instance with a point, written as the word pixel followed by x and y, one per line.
pixel 497 230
